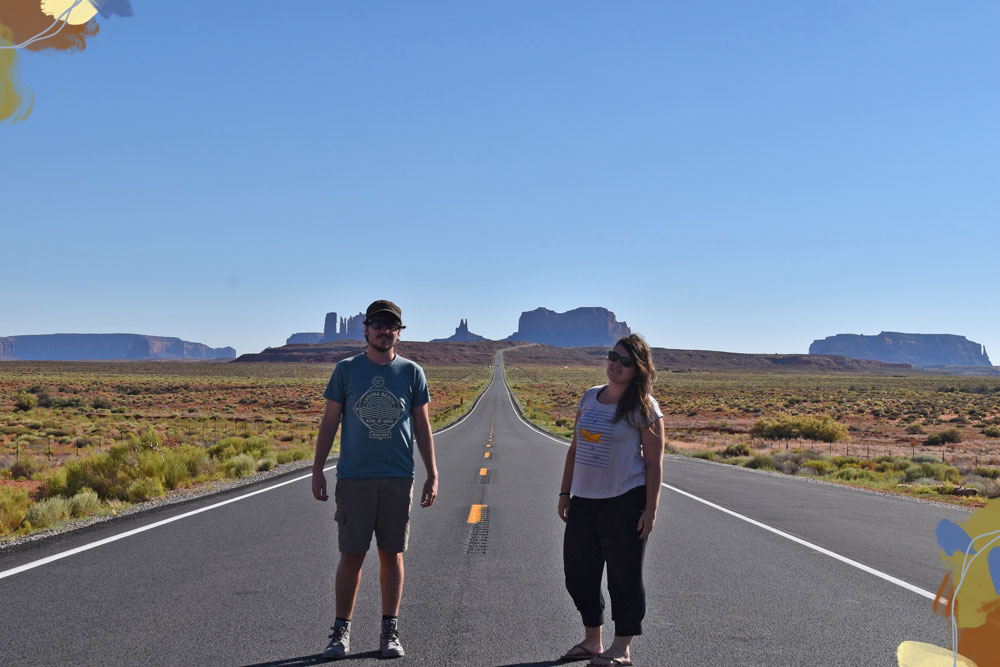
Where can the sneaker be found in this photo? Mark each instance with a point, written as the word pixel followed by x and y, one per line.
pixel 340 641
pixel 389 640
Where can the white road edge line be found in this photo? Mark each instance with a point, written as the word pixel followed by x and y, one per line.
pixel 142 529
pixel 93 545
pixel 472 409
pixel 798 540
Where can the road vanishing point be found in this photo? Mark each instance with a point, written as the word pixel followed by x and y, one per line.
pixel 742 568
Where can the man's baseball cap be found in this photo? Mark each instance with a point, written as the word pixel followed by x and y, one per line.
pixel 383 306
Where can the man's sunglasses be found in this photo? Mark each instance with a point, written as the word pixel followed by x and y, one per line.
pixel 378 324
pixel 624 361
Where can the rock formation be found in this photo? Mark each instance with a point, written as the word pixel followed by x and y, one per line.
pixel 919 350
pixel 581 327
pixel 350 328
pixel 462 333
pixel 132 347
pixel 309 337
pixel 334 328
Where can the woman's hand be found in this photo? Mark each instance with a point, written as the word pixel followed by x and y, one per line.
pixel 563 507
pixel 646 521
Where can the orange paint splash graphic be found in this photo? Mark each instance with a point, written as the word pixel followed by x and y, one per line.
pixel 969 596
pixel 36 25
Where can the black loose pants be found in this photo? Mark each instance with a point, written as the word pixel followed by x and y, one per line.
pixel 603 531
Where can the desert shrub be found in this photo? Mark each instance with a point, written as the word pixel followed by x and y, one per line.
pixel 84 503
pixel 986 471
pixel 925 458
pixel 145 488
pixel 231 446
pixel 100 403
pixel 737 449
pixel 856 475
pixel 226 448
pixel 992 432
pixel 785 427
pixel 150 438
pixel 175 471
pixel 821 466
pixel 944 437
pixel 14 503
pixel 706 455
pixel 53 481
pixel 25 468
pixel 67 402
pixel 48 512
pixel 240 465
pixel 25 402
pixel 915 429
pixel 736 460
pixel 761 462
pixel 108 473
pixel 267 463
pixel 846 461
pixel 936 471
pixel 790 462
pixel 294 454
pixel 196 460
pixel 152 464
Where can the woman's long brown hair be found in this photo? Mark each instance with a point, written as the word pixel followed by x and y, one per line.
pixel 635 399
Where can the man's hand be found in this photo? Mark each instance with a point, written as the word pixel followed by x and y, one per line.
pixel 430 492
pixel 319 485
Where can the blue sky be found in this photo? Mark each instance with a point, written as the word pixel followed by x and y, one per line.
pixel 722 175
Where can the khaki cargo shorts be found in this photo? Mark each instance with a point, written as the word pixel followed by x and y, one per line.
pixel 379 505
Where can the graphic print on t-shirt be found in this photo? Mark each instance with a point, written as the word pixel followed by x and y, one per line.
pixel 379 409
pixel 590 450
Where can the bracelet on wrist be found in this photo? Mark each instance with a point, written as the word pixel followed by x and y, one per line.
pixel 564 493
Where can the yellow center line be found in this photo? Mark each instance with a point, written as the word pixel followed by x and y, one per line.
pixel 475 513
pixel 482 472
pixel 487 455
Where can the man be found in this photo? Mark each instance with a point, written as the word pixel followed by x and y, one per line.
pixel 382 399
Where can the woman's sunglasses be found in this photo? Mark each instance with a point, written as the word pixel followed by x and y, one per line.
pixel 624 361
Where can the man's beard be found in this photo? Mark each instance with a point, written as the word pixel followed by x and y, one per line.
pixel 376 346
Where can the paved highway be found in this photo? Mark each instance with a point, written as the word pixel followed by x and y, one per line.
pixel 743 568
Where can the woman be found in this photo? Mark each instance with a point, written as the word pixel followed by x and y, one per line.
pixel 610 490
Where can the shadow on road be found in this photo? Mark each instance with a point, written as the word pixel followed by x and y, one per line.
pixel 317 659
pixel 541 663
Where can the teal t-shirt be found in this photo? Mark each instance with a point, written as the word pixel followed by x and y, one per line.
pixel 376 437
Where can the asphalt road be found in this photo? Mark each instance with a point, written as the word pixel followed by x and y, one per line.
pixel 251 582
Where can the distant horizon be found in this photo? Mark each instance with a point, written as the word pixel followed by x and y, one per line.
pixel 488 338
